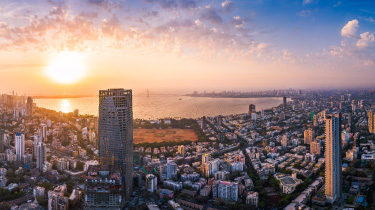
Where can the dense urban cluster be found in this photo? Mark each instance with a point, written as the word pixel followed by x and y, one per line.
pixel 314 151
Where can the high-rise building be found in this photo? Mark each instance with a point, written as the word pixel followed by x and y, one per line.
pixel 219 120
pixel 37 139
pixel 207 169
pixel 350 116
pixel 96 124
pixel 65 136
pixel 205 158
pixel 284 141
pixel 333 169
pixel 225 190
pixel 2 141
pixel 371 122
pixel 315 148
pixel 203 123
pixel 181 150
pixel 151 182
pixel 20 146
pixel 309 136
pixel 315 121
pixel 76 112
pixel 116 132
pixel 40 155
pixel 251 108
pixel 284 102
pixel 29 107
pixel 168 171
pixel 43 131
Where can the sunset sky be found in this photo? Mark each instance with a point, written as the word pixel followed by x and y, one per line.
pixel 184 45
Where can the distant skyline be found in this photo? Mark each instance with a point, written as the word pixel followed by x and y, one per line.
pixel 185 45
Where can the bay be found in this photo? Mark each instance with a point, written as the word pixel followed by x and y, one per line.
pixel 156 107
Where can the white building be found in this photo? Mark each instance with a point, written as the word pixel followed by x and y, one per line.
pixel 38 191
pixel 40 155
pixel 20 146
pixel 151 182
pixel 252 199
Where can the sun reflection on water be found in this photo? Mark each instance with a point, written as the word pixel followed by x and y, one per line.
pixel 65 105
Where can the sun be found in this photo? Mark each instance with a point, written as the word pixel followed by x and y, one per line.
pixel 66 67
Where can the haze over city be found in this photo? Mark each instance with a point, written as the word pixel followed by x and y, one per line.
pixel 78 47
pixel 187 104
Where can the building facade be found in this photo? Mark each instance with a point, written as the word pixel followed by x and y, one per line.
pixel 309 136
pixel 371 122
pixel 333 163
pixel 40 155
pixel 20 146
pixel 116 132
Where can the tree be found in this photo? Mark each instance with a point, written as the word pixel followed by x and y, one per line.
pixel 42 201
pixel 201 199
pixel 47 186
pixel 80 165
pixel 274 183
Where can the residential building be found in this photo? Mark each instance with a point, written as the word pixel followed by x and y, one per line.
pixel 40 156
pixel 151 182
pixel 333 163
pixel 57 200
pixel 371 121
pixel 181 150
pixel 252 199
pixel 309 136
pixel 20 146
pixel 315 147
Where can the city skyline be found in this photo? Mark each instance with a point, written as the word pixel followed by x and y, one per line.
pixel 66 47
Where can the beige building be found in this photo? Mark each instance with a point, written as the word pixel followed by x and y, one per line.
pixel 309 136
pixel 181 150
pixel 315 148
pixel 371 122
pixel 333 163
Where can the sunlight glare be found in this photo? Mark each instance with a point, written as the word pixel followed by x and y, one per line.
pixel 65 106
pixel 66 67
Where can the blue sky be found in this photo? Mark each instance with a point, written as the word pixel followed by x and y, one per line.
pixel 297 39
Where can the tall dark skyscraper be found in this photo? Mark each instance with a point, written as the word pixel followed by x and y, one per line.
pixel 284 102
pixel 251 108
pixel 116 132
pixel 29 107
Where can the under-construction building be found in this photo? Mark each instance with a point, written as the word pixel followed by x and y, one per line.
pixel 116 133
pixel 103 189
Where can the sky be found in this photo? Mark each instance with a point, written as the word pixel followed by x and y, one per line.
pixel 185 45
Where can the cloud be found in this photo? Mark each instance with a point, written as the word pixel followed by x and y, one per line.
pixel 305 13
pixel 227 6
pixel 211 15
pixel 238 22
pixel 106 4
pixel 187 4
pixel 338 4
pixel 350 29
pixel 174 4
pixel 366 39
pixel 306 2
pixel 370 19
